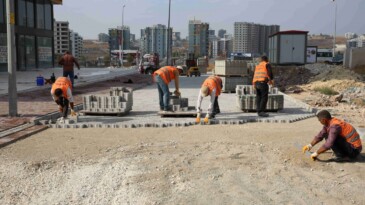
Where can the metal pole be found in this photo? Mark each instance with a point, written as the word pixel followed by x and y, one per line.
pixel 122 36
pixel 169 47
pixel 334 35
pixel 12 91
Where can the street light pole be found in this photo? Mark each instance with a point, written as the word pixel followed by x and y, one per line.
pixel 12 91
pixel 334 35
pixel 169 47
pixel 122 35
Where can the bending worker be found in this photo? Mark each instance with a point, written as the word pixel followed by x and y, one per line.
pixel 211 86
pixel 62 94
pixel 262 77
pixel 163 77
pixel 340 136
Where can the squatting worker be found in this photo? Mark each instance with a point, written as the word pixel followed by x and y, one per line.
pixel 212 86
pixel 68 61
pixel 340 136
pixel 163 77
pixel 262 77
pixel 62 94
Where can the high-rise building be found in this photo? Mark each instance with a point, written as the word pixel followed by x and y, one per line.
pixel 154 40
pixel 103 37
pixel 77 43
pixel 225 46
pixel 252 38
pixel 212 32
pixel 198 38
pixel 116 38
pixel 176 39
pixel 221 33
pixel 61 37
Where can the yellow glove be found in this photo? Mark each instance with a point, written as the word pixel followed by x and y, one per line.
pixel 206 120
pixel 73 113
pixel 197 118
pixel 314 156
pixel 307 148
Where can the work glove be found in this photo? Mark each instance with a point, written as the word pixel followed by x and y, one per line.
pixel 314 156
pixel 206 119
pixel 177 93
pixel 198 118
pixel 73 113
pixel 307 148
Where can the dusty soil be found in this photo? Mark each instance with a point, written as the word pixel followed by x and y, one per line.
pixel 246 164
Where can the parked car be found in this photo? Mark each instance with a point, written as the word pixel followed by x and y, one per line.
pixel 193 71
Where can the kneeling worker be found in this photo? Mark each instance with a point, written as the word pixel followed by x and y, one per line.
pixel 340 136
pixel 211 86
pixel 163 77
pixel 62 94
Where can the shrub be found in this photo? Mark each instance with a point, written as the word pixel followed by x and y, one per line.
pixel 326 90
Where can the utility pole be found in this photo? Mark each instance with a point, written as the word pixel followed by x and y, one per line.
pixel 334 35
pixel 169 47
pixel 12 91
pixel 122 35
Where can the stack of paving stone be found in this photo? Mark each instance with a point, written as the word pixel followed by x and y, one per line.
pixel 119 102
pixel 246 99
pixel 179 104
pixel 232 73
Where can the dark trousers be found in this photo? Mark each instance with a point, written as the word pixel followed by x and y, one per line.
pixel 262 96
pixel 71 75
pixel 63 102
pixel 342 148
pixel 216 109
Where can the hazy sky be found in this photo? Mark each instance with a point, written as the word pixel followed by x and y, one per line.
pixel 91 17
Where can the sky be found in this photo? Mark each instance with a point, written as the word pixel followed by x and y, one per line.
pixel 91 17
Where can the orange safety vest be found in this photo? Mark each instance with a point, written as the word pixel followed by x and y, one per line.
pixel 64 83
pixel 261 73
pixel 347 131
pixel 166 73
pixel 213 82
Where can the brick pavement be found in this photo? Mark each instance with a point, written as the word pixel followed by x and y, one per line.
pixel 39 102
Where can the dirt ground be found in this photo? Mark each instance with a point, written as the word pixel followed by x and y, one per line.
pixel 240 164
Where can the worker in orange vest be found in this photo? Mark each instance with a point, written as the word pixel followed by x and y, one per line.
pixel 212 86
pixel 163 77
pixel 62 94
pixel 262 77
pixel 340 136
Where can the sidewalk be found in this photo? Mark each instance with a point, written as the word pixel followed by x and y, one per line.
pixel 36 101
pixel 26 80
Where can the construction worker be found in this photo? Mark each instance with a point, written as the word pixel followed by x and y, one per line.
pixel 163 77
pixel 262 77
pixel 211 86
pixel 68 61
pixel 62 94
pixel 340 136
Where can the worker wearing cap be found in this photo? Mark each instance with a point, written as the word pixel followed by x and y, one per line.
pixel 62 94
pixel 340 136
pixel 163 77
pixel 212 86
pixel 262 77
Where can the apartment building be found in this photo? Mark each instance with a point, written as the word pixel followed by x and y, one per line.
pixel 252 38
pixel 198 38
pixel 61 37
pixel 76 44
pixel 154 40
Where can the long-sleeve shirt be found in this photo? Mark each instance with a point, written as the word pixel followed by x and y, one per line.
pixel 69 95
pixel 333 133
pixel 269 71
pixel 212 99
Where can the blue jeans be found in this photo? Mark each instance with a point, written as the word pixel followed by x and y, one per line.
pixel 163 93
pixel 71 76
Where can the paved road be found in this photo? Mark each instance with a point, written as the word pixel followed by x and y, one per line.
pixel 145 107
